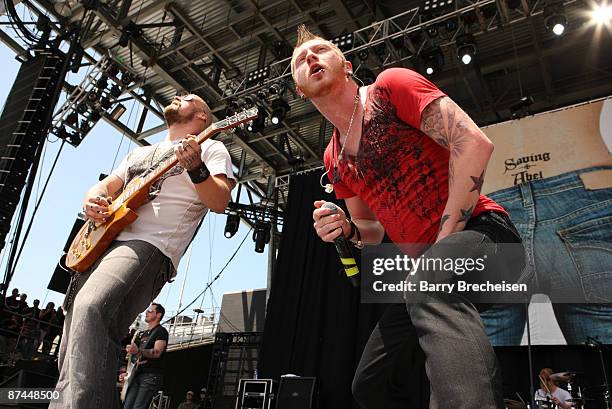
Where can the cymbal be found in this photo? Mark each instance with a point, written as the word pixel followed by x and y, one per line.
pixel 578 400
pixel 562 376
pixel 514 404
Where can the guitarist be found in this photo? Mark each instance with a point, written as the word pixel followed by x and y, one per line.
pixel 146 377
pixel 103 301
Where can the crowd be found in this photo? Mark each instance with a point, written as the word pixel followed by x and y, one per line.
pixel 27 329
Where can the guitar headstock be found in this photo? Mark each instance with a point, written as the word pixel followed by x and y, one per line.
pixel 238 118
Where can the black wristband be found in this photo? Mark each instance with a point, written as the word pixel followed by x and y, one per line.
pixel 353 229
pixel 199 174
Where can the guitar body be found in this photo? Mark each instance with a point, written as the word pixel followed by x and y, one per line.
pixel 93 239
pixel 132 367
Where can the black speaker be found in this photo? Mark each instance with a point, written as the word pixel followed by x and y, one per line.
pixel 296 392
pixel 27 379
pixel 61 276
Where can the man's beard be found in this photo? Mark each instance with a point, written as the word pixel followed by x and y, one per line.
pixel 173 116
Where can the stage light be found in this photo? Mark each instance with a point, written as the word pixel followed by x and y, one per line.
pixel 112 71
pixel 250 100
pixel 115 91
pixel 261 236
pixel 466 49
pixel 554 18
pixel 277 89
pixel 105 102
pixel 94 116
pixel 452 25
pixel 85 126
pixel 258 75
pixel 82 108
pixel 343 42
pixel 521 108
pixel 602 14
pixel 102 82
pixel 262 94
pixel 258 124
pixel 117 111
pixel 380 50
pixel 363 55
pixel 432 61
pixel 126 78
pixel 432 31
pixel 72 118
pixel 234 105
pixel 231 225
pixel 280 107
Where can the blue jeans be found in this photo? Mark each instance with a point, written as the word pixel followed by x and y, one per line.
pixel 142 389
pixel 567 233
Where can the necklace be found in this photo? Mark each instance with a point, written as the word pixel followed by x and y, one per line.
pixel 348 132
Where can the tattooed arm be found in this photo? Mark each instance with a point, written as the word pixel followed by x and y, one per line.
pixel 470 150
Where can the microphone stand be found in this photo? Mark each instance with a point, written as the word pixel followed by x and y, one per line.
pixel 597 344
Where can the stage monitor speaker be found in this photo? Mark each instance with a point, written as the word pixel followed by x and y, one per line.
pixel 255 394
pixel 27 379
pixel 296 392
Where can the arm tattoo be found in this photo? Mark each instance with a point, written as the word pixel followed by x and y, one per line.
pixel 443 220
pixel 465 214
pixel 448 125
pixel 478 181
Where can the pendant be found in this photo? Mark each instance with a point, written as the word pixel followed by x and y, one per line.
pixel 335 175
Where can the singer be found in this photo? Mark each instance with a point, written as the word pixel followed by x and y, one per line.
pixel 409 162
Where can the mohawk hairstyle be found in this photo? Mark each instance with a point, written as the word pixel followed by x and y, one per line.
pixel 304 35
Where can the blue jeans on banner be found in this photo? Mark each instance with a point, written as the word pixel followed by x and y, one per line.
pixel 142 389
pixel 567 233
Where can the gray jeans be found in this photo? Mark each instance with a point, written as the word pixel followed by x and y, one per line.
pixel 109 296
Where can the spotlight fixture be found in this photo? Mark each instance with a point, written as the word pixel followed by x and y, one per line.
pixel 82 108
pixel 115 91
pixel 466 49
pixel 105 103
pixel 259 75
pixel 277 88
pixel 343 42
pixel 602 14
pixel 521 108
pixel 432 31
pixel 72 118
pixel 231 225
pixel 234 105
pixel 554 18
pixel 117 111
pixel 262 93
pixel 432 61
pixel 261 236
pixel 85 126
pixel 380 50
pixel 280 107
pixel 363 55
pixel 250 100
pixel 112 71
pixel 126 78
pixel 432 8
pixel 102 82
pixel 258 124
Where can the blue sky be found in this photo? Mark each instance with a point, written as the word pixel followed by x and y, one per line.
pixel 78 169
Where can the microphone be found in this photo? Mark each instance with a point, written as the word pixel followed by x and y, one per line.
pixel 344 251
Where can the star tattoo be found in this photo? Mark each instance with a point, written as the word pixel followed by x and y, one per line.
pixel 443 220
pixel 478 181
pixel 465 214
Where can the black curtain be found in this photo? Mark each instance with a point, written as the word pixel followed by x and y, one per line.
pixel 315 323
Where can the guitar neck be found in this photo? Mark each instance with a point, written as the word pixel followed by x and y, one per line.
pixel 162 167
pixel 167 164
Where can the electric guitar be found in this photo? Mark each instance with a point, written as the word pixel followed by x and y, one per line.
pixel 132 367
pixel 94 238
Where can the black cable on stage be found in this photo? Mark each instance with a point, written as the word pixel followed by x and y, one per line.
pixel 213 280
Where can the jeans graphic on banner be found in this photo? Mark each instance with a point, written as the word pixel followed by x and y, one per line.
pixel 567 232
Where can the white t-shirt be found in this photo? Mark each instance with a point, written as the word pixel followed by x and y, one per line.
pixel 558 393
pixel 169 221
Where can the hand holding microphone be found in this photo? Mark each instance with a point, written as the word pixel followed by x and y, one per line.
pixel 329 223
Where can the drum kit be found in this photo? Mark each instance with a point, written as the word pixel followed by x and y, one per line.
pixel 582 397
